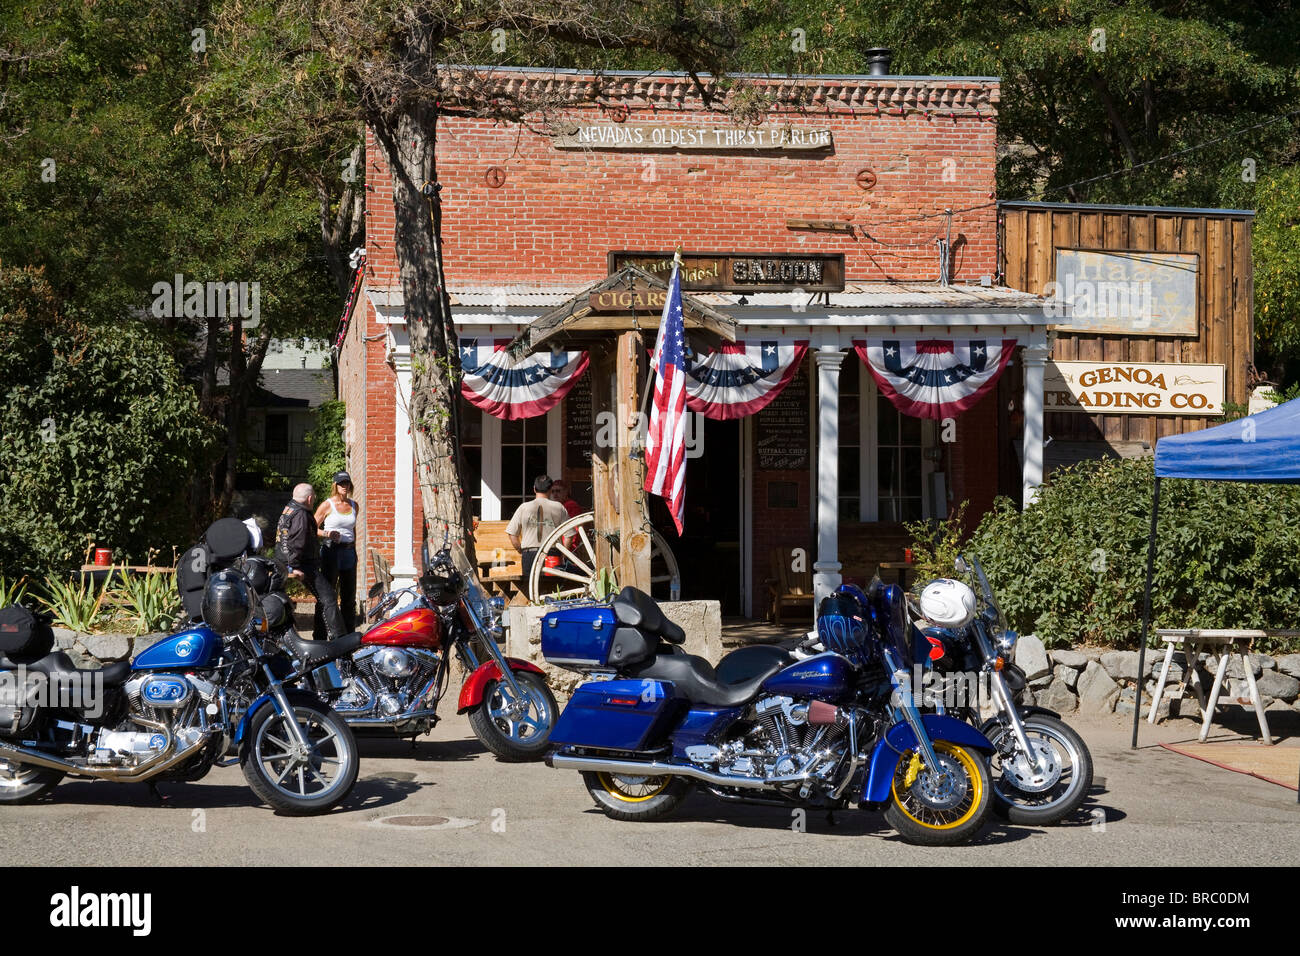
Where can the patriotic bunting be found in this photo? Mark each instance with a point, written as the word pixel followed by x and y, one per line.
pixel 742 378
pixel 935 378
pixel 511 388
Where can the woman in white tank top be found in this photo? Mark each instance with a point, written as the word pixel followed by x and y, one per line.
pixel 337 520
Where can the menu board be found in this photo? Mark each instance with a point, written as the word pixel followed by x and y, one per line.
pixel 579 435
pixel 781 431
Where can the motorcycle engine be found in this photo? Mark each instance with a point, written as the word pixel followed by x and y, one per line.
pixel 175 702
pixel 385 682
pixel 796 746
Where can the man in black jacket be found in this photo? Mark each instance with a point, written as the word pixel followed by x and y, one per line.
pixel 297 550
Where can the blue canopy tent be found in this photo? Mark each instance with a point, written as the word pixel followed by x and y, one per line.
pixel 1262 448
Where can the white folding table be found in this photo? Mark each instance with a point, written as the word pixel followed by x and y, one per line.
pixel 1223 642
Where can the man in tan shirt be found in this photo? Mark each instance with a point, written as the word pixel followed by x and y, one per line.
pixel 533 521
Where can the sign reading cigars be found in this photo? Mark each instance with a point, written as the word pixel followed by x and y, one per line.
pixel 1133 388
pixel 737 272
pixel 639 136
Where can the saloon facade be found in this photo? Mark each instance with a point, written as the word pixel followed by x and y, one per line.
pixel 851 236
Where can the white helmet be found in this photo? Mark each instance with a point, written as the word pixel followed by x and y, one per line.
pixel 948 603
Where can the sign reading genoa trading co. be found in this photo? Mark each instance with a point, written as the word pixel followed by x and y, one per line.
pixel 742 271
pixel 1133 388
pixel 634 136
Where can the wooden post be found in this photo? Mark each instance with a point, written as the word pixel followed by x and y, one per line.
pixel 633 514
pixel 604 458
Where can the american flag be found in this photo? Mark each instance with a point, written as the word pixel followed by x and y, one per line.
pixel 665 448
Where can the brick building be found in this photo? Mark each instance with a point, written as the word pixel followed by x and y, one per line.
pixel 878 190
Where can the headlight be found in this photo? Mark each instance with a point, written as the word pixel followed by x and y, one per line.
pixel 1006 644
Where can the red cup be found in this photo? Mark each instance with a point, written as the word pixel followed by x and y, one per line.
pixel 103 557
pixel 907 555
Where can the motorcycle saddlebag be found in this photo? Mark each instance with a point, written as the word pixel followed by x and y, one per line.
pixel 24 636
pixel 17 712
pixel 618 715
pixel 586 637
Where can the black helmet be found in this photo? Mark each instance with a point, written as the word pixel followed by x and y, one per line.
pixel 263 575
pixel 227 602
pixel 275 608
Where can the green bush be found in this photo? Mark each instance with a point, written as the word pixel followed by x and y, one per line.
pixel 1071 568
pixel 328 448
pixel 100 434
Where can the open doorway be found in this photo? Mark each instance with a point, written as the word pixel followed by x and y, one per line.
pixel 708 552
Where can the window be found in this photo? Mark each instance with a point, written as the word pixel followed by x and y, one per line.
pixel 850 438
pixel 899 470
pixel 277 435
pixel 524 456
pixel 471 443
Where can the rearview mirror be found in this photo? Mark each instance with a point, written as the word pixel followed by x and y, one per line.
pixel 376 589
pixel 961 565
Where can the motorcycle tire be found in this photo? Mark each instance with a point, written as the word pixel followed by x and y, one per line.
pixel 922 815
pixel 331 740
pixel 23 783
pixel 1071 759
pixel 516 740
pixel 623 797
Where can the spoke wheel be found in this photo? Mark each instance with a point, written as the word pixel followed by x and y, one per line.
pixel 635 798
pixel 940 806
pixel 296 780
pixel 572 574
pixel 1050 791
pixel 516 728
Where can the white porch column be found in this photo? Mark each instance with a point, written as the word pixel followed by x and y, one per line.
pixel 1034 358
pixel 826 569
pixel 403 568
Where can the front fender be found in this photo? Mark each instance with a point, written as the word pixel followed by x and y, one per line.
pixel 471 695
pixel 295 696
pixel 900 740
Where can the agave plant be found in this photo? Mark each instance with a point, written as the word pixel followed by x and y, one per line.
pixel 12 592
pixel 150 598
pixel 75 606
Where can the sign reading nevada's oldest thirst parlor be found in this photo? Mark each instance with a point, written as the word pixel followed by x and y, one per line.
pixel 640 136
pixel 741 271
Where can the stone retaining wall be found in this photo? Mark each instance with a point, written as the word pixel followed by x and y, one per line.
pixel 1097 680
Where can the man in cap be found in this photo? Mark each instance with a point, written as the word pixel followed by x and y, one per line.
pixel 533 521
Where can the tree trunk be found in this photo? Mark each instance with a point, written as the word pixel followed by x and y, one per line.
pixel 410 143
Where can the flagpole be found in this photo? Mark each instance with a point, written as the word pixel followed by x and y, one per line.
pixel 650 380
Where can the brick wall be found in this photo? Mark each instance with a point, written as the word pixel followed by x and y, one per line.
pixel 561 211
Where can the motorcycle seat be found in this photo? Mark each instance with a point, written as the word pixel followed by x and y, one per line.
pixel 695 680
pixel 58 664
pixel 744 663
pixel 315 653
pixel 633 608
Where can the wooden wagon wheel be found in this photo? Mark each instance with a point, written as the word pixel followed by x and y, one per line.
pixel 573 574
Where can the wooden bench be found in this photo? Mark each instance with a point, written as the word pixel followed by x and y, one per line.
pixel 501 565
pixel 786 586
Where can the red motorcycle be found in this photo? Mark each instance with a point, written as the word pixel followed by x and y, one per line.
pixel 396 680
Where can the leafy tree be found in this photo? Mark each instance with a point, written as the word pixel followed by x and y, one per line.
pixel 291 74
pixel 104 184
pixel 97 432
pixel 328 448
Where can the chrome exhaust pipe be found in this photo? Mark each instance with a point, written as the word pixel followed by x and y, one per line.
pixel 396 719
pixel 163 760
pixel 651 769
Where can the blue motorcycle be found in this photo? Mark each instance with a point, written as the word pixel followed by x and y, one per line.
pixel 216 693
pixel 796 728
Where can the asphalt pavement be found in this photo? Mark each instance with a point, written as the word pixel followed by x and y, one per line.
pixel 448 802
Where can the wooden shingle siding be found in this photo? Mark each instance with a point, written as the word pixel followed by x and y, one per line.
pixel 1031 233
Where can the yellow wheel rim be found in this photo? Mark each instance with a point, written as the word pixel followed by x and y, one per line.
pixel 623 788
pixel 912 802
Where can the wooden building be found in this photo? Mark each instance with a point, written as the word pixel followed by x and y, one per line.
pixel 1202 315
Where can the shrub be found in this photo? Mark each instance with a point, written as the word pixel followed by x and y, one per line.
pixel 99 433
pixel 1071 568
pixel 328 448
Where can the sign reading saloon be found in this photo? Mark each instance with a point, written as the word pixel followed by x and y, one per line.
pixel 711 138
pixel 742 272
pixel 1130 388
